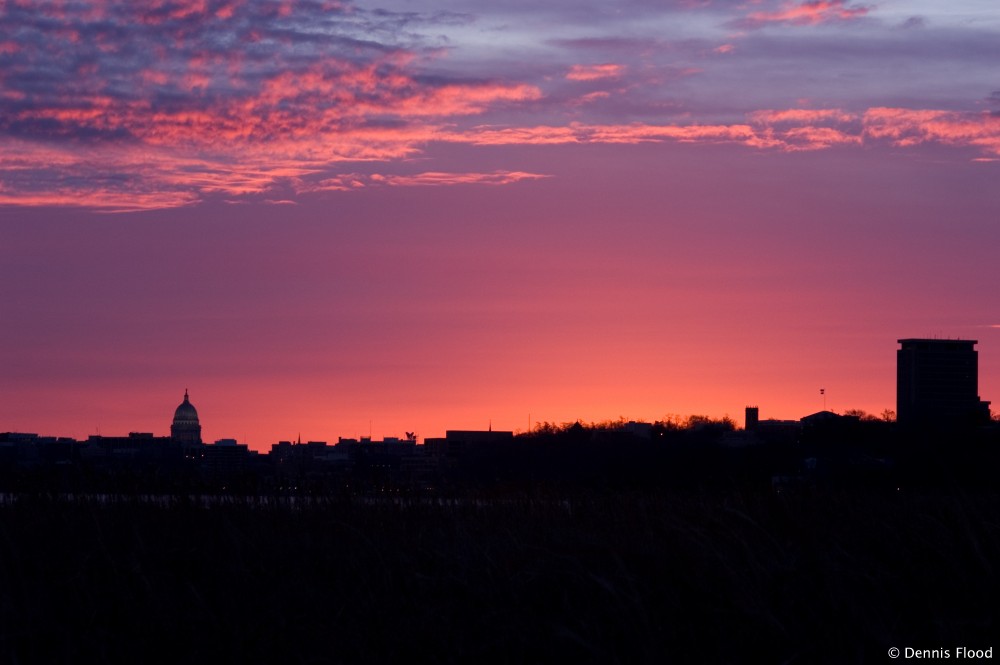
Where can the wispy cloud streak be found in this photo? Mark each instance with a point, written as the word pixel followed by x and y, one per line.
pixel 787 130
pixel 908 127
pixel 806 13
pixel 594 72
pixel 348 181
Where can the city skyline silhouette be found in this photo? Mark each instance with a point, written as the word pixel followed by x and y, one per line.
pixel 423 218
pixel 937 396
pixel 937 384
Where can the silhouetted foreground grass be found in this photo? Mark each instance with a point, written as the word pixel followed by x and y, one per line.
pixel 672 577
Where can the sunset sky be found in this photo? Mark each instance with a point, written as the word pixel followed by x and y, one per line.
pixel 328 218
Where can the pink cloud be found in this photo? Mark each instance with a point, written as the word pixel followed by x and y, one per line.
pixel 226 11
pixel 182 117
pixel 340 183
pixel 638 133
pixel 349 181
pixel 808 129
pixel 590 97
pixel 154 77
pixel 332 102
pixel 808 13
pixel 624 134
pixel 186 8
pixel 161 172
pixel 908 127
pixel 229 179
pixel 439 178
pixel 788 130
pixel 99 199
pixel 801 115
pixel 594 72
pixel 459 99
pixel 190 118
pixel 817 138
pixel 539 135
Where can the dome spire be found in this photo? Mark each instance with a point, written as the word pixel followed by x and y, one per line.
pixel 185 394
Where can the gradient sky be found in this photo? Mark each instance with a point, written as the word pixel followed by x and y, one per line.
pixel 331 218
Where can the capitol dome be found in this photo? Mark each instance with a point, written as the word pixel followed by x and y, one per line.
pixel 186 428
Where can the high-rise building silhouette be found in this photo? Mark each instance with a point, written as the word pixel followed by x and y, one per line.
pixel 937 383
pixel 186 429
